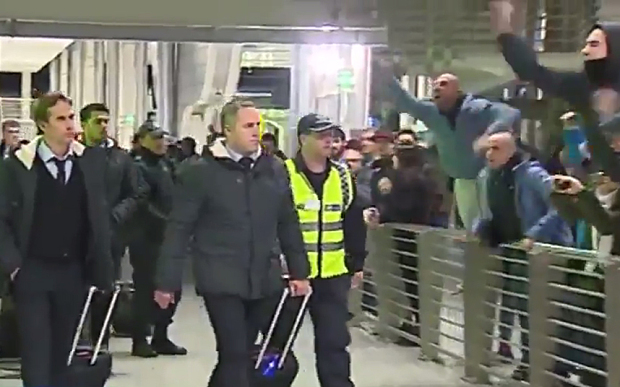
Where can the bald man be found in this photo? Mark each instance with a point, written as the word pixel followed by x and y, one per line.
pixel 457 120
pixel 515 199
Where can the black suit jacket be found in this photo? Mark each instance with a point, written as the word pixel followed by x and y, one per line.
pixel 18 185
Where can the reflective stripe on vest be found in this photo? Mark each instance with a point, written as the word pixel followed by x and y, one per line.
pixel 307 202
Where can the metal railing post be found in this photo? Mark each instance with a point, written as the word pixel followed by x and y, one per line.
pixel 540 310
pixel 381 258
pixel 479 296
pixel 612 321
pixel 431 293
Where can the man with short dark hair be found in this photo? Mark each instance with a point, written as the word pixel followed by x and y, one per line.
pixel 55 237
pixel 123 192
pixel 338 144
pixel 11 131
pixel 270 144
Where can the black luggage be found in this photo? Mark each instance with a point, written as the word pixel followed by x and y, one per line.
pixel 275 364
pixel 122 317
pixel 90 367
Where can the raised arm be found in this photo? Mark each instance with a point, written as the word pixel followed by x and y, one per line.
pixel 502 117
pixel 520 55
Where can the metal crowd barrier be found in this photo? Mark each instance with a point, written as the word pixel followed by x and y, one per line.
pixel 470 298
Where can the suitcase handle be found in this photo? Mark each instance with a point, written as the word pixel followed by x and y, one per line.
pixel 272 327
pixel 78 332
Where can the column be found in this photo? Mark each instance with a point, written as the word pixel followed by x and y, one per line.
pixel 112 76
pixel 98 71
pixel 289 140
pixel 163 85
pixel 25 94
pixel 128 93
pixel 140 63
pixel 63 84
pixel 54 74
pixel 89 80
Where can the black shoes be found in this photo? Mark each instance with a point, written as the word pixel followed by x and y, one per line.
pixel 410 330
pixel 141 348
pixel 167 347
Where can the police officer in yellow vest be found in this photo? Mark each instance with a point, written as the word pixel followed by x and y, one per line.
pixel 334 235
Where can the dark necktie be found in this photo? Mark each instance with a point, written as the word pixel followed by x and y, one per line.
pixel 246 162
pixel 61 176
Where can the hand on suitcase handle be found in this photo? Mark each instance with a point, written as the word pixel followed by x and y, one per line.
pixel 163 298
pixel 299 287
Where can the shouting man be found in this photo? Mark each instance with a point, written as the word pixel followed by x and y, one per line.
pixel 457 120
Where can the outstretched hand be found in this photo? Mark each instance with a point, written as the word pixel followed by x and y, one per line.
pixel 502 12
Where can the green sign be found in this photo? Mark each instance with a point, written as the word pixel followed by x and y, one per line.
pixel 346 81
pixel 128 120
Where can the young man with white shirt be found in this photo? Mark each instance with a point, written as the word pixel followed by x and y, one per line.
pixel 55 236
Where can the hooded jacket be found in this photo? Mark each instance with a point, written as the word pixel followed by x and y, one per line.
pixel 235 216
pixel 576 87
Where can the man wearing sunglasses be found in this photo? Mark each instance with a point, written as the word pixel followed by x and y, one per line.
pixel 146 239
pixel 11 131
pixel 122 191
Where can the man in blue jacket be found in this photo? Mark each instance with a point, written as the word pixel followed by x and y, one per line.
pixel 457 120
pixel 515 207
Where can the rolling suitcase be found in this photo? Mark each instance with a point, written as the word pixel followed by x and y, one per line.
pixel 276 365
pixel 123 315
pixel 88 367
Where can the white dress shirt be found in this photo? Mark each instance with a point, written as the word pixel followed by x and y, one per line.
pixel 48 157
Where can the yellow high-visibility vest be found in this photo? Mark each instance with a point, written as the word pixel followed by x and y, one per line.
pixel 261 126
pixel 325 246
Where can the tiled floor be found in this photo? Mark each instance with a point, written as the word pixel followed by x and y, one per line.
pixel 375 364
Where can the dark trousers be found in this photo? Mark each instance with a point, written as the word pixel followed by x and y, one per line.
pixel 143 258
pixel 329 313
pixel 236 323
pixel 514 300
pixel 49 300
pixel 101 301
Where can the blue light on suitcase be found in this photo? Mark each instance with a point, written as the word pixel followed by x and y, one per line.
pixel 269 365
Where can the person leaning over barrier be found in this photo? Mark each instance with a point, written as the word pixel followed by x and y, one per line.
pixel 457 120
pixel 515 208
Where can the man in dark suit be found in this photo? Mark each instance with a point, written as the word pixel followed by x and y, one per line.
pixel 55 236
pixel 235 225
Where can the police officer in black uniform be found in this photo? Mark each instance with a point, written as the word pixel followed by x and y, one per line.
pixel 150 221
